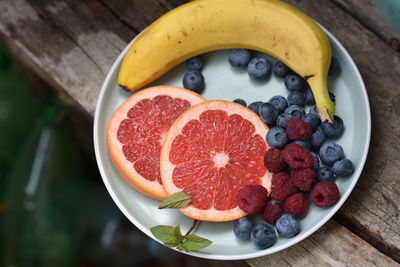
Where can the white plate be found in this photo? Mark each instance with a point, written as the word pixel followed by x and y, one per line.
pixel 225 82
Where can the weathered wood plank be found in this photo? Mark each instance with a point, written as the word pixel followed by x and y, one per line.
pixel 366 12
pixel 332 245
pixel 140 14
pixel 65 42
pixel 71 44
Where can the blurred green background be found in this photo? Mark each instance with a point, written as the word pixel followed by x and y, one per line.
pixel 390 10
pixel 54 208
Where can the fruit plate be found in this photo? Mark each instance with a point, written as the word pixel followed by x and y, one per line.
pixel 227 83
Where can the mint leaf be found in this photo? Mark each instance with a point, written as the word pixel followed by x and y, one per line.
pixel 194 242
pixel 170 236
pixel 181 248
pixel 177 232
pixel 176 201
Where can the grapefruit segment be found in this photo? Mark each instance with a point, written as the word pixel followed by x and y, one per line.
pixel 210 152
pixel 136 132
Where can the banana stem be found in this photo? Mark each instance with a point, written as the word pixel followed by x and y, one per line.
pixel 324 104
pixel 325 115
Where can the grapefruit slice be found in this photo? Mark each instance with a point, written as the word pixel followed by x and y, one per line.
pixel 136 132
pixel 210 152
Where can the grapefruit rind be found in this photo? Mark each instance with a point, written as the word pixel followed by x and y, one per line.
pixel 167 167
pixel 125 168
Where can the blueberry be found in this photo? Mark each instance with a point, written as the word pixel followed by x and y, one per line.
pixel 193 80
pixel 296 111
pixel 242 228
pixel 259 68
pixel 296 98
pixel 317 139
pixel 280 69
pixel 239 57
pixel 240 101
pixel 325 174
pixel 343 167
pixel 277 137
pixel 309 97
pixel 263 236
pixel 334 68
pixel 313 110
pixel 312 119
pixel 268 113
pixel 255 106
pixel 294 82
pixel 306 144
pixel 194 63
pixel 288 225
pixel 316 161
pixel 330 152
pixel 279 102
pixel 334 129
pixel 283 119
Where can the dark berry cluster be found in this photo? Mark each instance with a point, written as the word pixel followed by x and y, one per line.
pixel 303 162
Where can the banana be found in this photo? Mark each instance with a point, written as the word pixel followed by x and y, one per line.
pixel 200 26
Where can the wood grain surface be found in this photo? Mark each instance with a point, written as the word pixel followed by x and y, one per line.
pixel 71 44
pixel 365 12
pixel 332 245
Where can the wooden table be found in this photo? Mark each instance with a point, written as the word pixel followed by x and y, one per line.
pixel 72 43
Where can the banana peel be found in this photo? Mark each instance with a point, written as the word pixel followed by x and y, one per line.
pixel 201 26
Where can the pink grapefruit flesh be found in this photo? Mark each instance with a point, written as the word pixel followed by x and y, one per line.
pixel 210 152
pixel 136 132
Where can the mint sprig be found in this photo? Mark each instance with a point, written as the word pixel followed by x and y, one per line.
pixel 176 201
pixel 172 237
pixel 194 242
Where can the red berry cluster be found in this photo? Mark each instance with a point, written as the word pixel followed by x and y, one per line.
pixel 288 191
pixel 292 184
pixel 292 189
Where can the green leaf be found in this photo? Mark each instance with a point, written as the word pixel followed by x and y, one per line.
pixel 177 232
pixel 194 242
pixel 170 236
pixel 176 201
pixel 171 244
pixel 181 248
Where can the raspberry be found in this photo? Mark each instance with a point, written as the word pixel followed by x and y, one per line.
pixel 296 156
pixel 272 212
pixel 296 205
pixel 303 178
pixel 297 129
pixel 282 186
pixel 251 198
pixel 273 160
pixel 325 194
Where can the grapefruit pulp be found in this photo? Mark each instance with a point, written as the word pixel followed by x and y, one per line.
pixel 136 132
pixel 210 152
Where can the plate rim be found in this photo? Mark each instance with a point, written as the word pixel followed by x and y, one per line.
pixel 249 255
